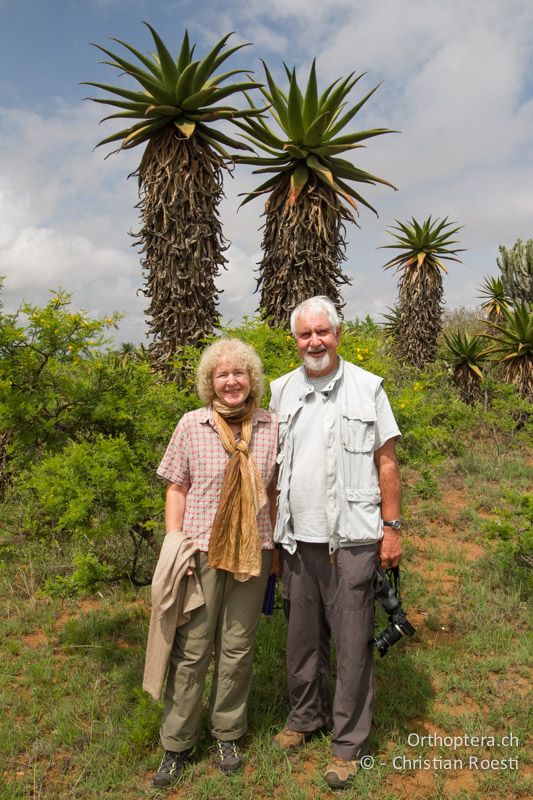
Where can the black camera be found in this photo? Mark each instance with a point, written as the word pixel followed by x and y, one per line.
pixel 385 592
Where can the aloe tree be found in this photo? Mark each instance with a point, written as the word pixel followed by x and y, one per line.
pixel 180 179
pixel 512 347
pixel 310 195
pixel 467 354
pixel 494 298
pixel 422 249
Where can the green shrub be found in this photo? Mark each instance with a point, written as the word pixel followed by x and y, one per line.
pixel 88 575
pixel 44 355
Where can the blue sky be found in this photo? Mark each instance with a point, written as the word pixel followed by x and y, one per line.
pixel 456 82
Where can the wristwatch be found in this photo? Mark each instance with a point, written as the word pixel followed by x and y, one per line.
pixel 393 523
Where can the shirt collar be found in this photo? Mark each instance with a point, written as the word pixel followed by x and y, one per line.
pixel 307 386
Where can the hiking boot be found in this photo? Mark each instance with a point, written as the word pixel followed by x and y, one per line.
pixel 171 768
pixel 340 772
pixel 228 756
pixel 289 740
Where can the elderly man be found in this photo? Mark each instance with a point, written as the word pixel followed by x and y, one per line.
pixel 338 511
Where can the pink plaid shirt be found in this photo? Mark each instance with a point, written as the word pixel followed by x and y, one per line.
pixel 195 456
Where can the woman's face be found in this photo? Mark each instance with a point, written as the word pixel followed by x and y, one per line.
pixel 231 383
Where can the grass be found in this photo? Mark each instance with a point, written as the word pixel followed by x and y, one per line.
pixel 75 723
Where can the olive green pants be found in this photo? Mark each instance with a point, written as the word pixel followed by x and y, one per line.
pixel 227 624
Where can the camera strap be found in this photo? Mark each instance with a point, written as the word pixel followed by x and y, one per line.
pixel 393 575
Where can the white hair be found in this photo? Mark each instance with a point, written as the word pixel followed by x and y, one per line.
pixel 316 305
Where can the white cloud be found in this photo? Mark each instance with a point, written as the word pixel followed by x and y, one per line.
pixel 64 214
pixel 302 11
pixel 238 285
pixel 36 259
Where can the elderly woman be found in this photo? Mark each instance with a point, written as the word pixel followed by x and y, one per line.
pixel 219 465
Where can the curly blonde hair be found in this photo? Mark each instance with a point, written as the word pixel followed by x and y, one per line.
pixel 239 354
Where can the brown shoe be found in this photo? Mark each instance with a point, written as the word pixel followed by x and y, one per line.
pixel 289 740
pixel 339 772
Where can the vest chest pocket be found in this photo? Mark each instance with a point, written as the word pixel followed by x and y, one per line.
pixel 283 427
pixel 358 434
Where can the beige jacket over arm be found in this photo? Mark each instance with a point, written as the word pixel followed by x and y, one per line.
pixel 175 595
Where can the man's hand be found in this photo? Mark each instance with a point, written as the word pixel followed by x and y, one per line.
pixel 275 569
pixel 390 549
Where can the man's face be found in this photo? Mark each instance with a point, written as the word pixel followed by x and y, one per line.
pixel 317 343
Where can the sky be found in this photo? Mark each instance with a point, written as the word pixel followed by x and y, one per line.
pixel 457 85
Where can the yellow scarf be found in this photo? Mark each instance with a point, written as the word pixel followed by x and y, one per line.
pixel 234 543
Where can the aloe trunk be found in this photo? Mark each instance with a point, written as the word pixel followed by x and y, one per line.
pixel 181 180
pixel 303 248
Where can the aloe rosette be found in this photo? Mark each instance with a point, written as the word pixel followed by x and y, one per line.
pixel 512 346
pixel 310 188
pixel 494 298
pixel 180 177
pixel 466 353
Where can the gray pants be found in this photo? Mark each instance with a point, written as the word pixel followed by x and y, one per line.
pixel 331 598
pixel 227 622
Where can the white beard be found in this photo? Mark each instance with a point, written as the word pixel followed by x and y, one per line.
pixel 316 364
